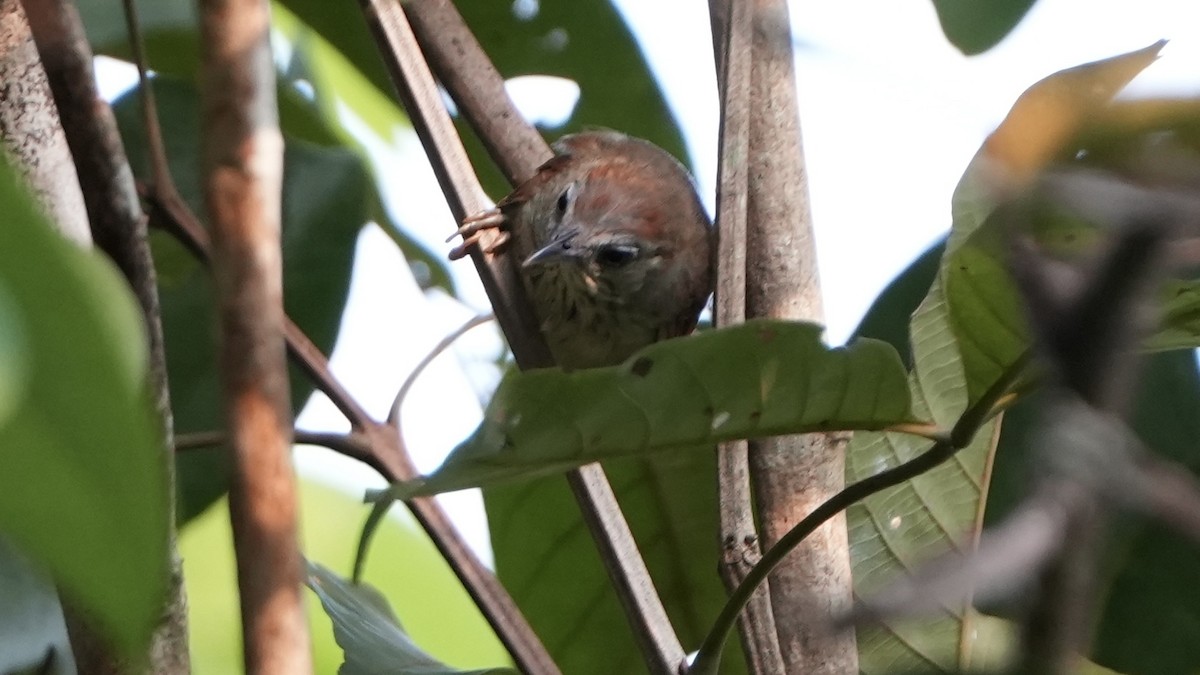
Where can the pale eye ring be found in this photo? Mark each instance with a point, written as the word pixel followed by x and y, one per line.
pixel 616 255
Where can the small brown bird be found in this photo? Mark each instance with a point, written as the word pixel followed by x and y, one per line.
pixel 617 248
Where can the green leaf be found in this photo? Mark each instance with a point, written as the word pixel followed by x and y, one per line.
pixel 975 27
pixel 668 497
pixel 967 333
pixel 326 195
pixel 83 485
pixel 897 530
pixel 762 378
pixel 670 504
pixel 370 634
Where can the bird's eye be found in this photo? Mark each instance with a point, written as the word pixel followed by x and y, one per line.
pixel 564 199
pixel 616 255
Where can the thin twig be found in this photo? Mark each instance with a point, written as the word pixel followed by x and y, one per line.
pixel 394 414
pixel 739 540
pixel 417 90
pixel 160 170
pixel 353 444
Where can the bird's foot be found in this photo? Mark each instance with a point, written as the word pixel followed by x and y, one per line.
pixel 484 229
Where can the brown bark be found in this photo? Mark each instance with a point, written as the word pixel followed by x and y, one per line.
pixel 739 540
pixel 243 166
pixel 29 127
pixel 119 229
pixel 793 474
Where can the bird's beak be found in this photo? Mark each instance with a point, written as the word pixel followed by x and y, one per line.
pixel 559 250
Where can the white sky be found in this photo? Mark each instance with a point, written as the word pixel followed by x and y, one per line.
pixel 891 115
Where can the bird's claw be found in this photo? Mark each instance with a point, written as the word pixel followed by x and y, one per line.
pixel 475 228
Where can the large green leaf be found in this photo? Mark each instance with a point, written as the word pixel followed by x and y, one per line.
pixel 897 530
pixel 83 480
pixel 555 574
pixel 762 378
pixel 325 201
pixel 967 334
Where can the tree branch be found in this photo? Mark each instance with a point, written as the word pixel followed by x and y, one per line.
pixel 792 475
pixel 30 132
pixel 243 166
pixel 455 57
pixel 118 228
pixel 740 551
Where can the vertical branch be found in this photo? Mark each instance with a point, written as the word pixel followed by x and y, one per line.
pixel 243 165
pixel 740 550
pixel 30 132
pixel 466 72
pixel 119 229
pixel 793 474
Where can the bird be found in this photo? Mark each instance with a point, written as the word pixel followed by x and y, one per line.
pixel 617 249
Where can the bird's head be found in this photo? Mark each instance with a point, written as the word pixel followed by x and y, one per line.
pixel 628 237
